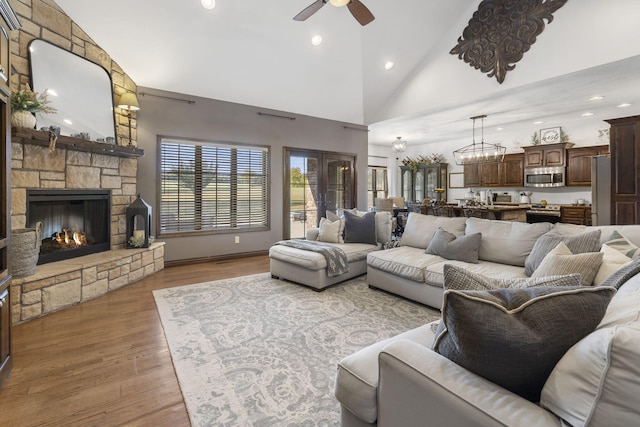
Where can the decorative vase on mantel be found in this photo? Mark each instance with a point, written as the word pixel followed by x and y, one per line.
pixel 23 119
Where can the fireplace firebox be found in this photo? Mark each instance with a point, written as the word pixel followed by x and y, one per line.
pixel 74 222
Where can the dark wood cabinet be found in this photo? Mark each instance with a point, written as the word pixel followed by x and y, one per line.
pixel 624 144
pixel 508 173
pixel 579 215
pixel 546 155
pixel 8 22
pixel 579 164
pixel 420 183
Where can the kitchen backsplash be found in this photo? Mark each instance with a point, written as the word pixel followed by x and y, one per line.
pixel 554 196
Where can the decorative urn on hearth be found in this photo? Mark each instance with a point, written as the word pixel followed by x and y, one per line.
pixel 138 216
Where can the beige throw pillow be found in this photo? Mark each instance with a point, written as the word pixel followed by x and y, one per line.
pixel 331 231
pixel 561 261
pixel 612 261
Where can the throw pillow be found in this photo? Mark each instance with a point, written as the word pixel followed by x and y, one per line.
pixel 562 261
pixel 449 246
pixel 625 273
pixel 578 243
pixel 331 231
pixel 461 279
pixel 332 217
pixel 612 261
pixel 420 228
pixel 514 337
pixel 360 229
pixel 620 243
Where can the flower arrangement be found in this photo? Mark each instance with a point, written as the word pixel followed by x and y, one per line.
pixel 28 100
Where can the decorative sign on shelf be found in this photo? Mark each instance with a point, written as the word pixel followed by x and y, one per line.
pixel 500 32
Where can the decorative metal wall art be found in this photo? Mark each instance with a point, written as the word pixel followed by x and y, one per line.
pixel 501 31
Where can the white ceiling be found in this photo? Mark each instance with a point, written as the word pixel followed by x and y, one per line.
pixel 252 52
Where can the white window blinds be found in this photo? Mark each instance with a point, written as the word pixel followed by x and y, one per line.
pixel 206 186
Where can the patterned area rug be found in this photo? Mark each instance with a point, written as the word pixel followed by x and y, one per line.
pixel 258 351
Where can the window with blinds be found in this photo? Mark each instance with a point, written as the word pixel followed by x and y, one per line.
pixel 212 187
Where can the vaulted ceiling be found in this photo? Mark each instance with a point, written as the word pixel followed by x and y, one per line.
pixel 253 52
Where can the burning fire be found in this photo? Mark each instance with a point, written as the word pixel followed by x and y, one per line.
pixel 71 238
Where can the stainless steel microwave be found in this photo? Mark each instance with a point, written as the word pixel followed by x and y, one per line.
pixel 544 177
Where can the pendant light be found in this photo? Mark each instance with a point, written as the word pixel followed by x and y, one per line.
pixel 399 145
pixel 479 152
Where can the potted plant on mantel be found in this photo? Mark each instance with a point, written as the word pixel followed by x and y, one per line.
pixel 24 103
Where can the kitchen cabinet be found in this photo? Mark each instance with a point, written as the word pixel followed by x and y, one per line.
pixel 8 22
pixel 546 155
pixel 508 173
pixel 579 215
pixel 624 144
pixel 420 183
pixel 579 164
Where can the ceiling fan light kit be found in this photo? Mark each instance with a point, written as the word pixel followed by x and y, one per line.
pixel 359 11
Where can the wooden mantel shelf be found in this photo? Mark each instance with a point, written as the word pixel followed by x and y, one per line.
pixel 38 137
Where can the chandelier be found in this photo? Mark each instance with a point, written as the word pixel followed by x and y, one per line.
pixel 479 152
pixel 399 145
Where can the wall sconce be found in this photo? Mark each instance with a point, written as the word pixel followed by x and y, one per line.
pixel 129 102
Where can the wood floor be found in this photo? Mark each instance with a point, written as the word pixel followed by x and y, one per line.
pixel 105 362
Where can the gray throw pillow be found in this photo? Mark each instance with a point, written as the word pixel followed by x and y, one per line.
pixel 514 337
pixel 577 244
pixel 449 246
pixel 360 229
pixel 461 279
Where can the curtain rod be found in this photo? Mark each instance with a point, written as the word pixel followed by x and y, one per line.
pixel 187 101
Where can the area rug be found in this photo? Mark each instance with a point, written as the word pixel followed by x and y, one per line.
pixel 259 351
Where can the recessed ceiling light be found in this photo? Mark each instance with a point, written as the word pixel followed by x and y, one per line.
pixel 52 92
pixel 388 65
pixel 587 114
pixel 539 122
pixel 67 121
pixel 316 40
pixel 208 4
pixel 499 128
pixel 596 98
pixel 624 104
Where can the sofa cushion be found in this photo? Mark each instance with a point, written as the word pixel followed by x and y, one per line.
pixel 434 272
pixel 598 380
pixel 449 246
pixel 612 261
pixel 561 261
pixel 419 229
pixel 506 242
pixel 461 279
pixel 620 243
pixel 357 379
pixel 404 261
pixel 514 337
pixel 588 241
pixel 360 229
pixel 331 231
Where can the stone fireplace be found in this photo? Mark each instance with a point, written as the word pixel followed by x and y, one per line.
pixel 78 179
pixel 74 222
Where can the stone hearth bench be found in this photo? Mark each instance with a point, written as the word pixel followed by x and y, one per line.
pixel 61 284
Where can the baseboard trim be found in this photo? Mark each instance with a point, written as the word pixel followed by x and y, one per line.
pixel 216 258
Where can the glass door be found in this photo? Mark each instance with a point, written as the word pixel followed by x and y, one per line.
pixel 315 182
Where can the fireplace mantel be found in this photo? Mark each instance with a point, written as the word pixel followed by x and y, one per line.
pixel 38 137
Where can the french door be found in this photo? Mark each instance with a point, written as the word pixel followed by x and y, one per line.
pixel 316 182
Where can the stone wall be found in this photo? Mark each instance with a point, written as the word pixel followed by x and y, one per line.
pixel 44 19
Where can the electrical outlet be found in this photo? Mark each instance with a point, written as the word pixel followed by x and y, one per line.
pixel 237 239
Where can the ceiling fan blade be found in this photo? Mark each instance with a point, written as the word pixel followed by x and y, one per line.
pixel 360 12
pixel 309 10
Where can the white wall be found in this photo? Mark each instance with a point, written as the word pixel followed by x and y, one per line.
pixel 214 120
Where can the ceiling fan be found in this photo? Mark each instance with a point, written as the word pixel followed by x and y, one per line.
pixel 357 9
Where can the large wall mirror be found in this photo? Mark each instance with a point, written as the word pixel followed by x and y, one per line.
pixel 79 90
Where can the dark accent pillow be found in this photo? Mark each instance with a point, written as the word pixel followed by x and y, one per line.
pixel 360 229
pixel 577 243
pixel 462 279
pixel 449 246
pixel 514 337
